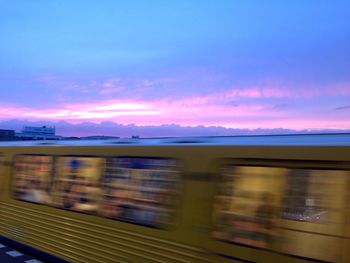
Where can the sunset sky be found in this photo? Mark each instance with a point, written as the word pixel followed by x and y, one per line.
pixel 236 64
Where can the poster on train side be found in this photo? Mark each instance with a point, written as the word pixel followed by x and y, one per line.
pixel 77 183
pixel 142 191
pixel 32 178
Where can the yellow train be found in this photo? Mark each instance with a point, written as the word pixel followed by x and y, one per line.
pixel 233 199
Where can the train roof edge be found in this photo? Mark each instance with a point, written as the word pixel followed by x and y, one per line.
pixel 329 139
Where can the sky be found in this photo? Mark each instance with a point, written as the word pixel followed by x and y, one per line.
pixel 240 64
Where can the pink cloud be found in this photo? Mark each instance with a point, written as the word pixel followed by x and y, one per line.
pixel 199 111
pixel 137 88
pixel 217 98
pixel 209 109
pixel 111 90
pixel 111 86
pixel 259 92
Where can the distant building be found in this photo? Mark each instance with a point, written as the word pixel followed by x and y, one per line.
pixel 7 135
pixel 38 133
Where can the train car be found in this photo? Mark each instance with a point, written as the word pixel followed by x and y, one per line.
pixel 218 199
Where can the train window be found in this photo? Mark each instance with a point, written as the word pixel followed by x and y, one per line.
pixel 143 191
pixel 246 206
pixel 77 183
pixel 313 195
pixel 314 212
pixel 32 178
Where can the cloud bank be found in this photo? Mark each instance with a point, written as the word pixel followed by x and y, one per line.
pixel 172 130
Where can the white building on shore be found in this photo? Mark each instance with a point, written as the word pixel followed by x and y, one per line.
pixel 38 133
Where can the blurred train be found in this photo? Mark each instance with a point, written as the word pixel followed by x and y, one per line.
pixel 218 199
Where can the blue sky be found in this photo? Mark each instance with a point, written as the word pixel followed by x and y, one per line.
pixel 238 64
